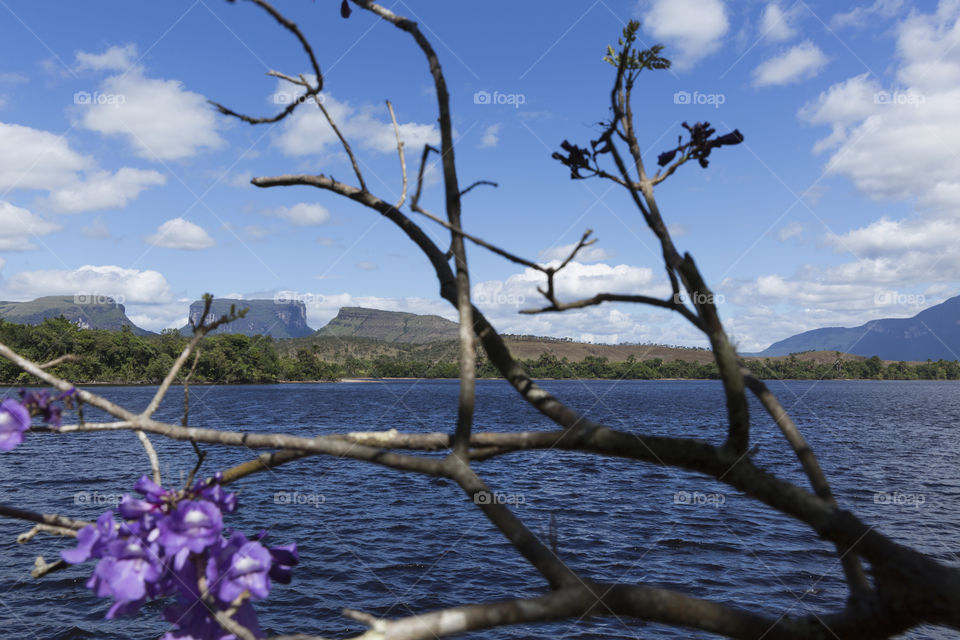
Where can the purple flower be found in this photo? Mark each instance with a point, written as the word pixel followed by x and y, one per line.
pixel 192 526
pixel 211 490
pixel 14 420
pixel 123 573
pixel 161 544
pixel 284 559
pixel 40 403
pixel 132 508
pixel 92 539
pixel 153 492
pixel 194 622
pixel 239 565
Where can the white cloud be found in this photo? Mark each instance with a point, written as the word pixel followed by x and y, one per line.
pixel 775 24
pixel 791 230
pixel 130 285
pixel 367 127
pixel 887 238
pixel 180 234
pixel 929 46
pixel 575 281
pixel 894 143
pixel 900 142
pixel 592 253
pixel 97 229
pixel 35 159
pixel 255 233
pixel 900 267
pixel 157 317
pixel 860 17
pixel 240 180
pixel 799 63
pixel 302 214
pixel 103 190
pixel 113 59
pixel 841 106
pixel 692 28
pixel 366 265
pixel 18 227
pixel 12 77
pixel 491 137
pixel 160 119
pixel 678 229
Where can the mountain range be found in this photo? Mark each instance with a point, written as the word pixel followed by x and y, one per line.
pixel 85 311
pixel 932 334
pixel 277 318
pixel 390 326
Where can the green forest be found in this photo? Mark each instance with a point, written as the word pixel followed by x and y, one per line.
pixel 124 358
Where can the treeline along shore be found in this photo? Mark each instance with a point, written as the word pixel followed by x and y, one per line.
pixel 121 357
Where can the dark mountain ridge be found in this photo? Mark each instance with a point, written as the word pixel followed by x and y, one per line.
pixel 276 318
pixel 85 311
pixel 932 334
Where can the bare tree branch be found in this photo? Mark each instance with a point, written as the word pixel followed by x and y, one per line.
pixel 477 184
pixel 311 91
pixel 403 160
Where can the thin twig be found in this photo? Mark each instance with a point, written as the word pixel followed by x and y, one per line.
pixel 311 91
pixel 403 160
pixel 488 183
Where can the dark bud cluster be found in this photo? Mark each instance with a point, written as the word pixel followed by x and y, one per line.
pixel 700 145
pixel 577 158
pixel 41 403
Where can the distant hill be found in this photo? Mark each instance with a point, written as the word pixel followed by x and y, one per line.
pixel 389 326
pixel 531 348
pixel 932 334
pixel 85 311
pixel 264 317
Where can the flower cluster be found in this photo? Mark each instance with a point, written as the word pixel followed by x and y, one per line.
pixel 15 416
pixel 700 144
pixel 173 543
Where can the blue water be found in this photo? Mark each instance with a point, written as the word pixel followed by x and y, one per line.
pixel 395 544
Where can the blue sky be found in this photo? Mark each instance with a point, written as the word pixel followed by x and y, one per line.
pixel 118 179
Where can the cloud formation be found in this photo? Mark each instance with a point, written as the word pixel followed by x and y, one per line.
pixel 180 234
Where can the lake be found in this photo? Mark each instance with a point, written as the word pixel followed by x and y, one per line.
pixel 394 544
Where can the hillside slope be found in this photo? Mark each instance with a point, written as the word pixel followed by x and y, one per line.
pixel 932 334
pixel 87 312
pixel 389 326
